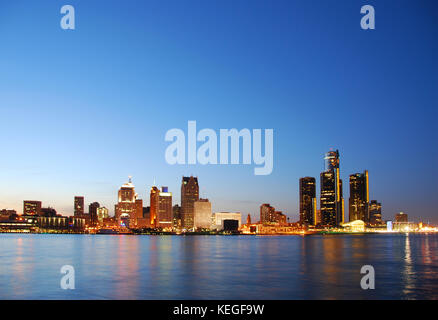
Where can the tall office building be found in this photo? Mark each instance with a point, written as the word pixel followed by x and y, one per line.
pixel 79 206
pixel 189 194
pixel 92 211
pixel 359 197
pixel 308 201
pixel 125 209
pixel 331 201
pixel 102 213
pixel 31 207
pixel 165 210
pixel 176 216
pixel 202 217
pixel 154 204
pixel 138 210
pixel 375 209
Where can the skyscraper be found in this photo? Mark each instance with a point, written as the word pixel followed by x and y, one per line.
pixel 176 216
pixel 102 213
pixel 165 211
pixel 31 207
pixel 308 201
pixel 92 210
pixel 138 210
pixel 202 217
pixel 189 194
pixel 125 208
pixel 332 201
pixel 358 203
pixel 375 209
pixel 79 206
pixel 155 202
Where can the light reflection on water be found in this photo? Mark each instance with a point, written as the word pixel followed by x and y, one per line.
pixel 218 267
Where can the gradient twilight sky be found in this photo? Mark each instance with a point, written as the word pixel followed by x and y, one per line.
pixel 81 110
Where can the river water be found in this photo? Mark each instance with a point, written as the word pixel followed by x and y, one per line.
pixel 218 267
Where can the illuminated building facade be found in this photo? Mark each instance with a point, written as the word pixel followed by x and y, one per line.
pixel 154 201
pixel 165 211
pixel 267 213
pixel 138 211
pixel 189 194
pixel 102 214
pixel 359 197
pixel 48 212
pixel 79 206
pixel 92 211
pixel 177 216
pixel 220 217
pixel 202 214
pixel 31 207
pixel 354 226
pixel 375 209
pixel 331 201
pixel 401 217
pixel 308 201
pixel 125 208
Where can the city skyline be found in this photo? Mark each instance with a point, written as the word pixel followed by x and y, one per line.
pixel 84 109
pixel 330 212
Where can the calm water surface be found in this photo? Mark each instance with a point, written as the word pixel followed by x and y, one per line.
pixel 218 267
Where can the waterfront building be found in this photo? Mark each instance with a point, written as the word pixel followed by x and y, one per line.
pixel 401 217
pixel 6 213
pixel 125 209
pixel 267 214
pixel 220 217
pixel 354 226
pixel 165 211
pixel 138 211
pixel 31 207
pixel 375 209
pixel 61 224
pixel 280 218
pixel 358 202
pixel 79 206
pixel 146 221
pixel 154 202
pixel 92 212
pixel 308 201
pixel 177 216
pixel 48 212
pixel 189 194
pixel 331 201
pixel 202 214
pixel 102 214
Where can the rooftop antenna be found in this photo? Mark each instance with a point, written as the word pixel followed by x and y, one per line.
pixel 154 182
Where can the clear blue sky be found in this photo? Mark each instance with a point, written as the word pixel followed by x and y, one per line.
pixel 81 110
